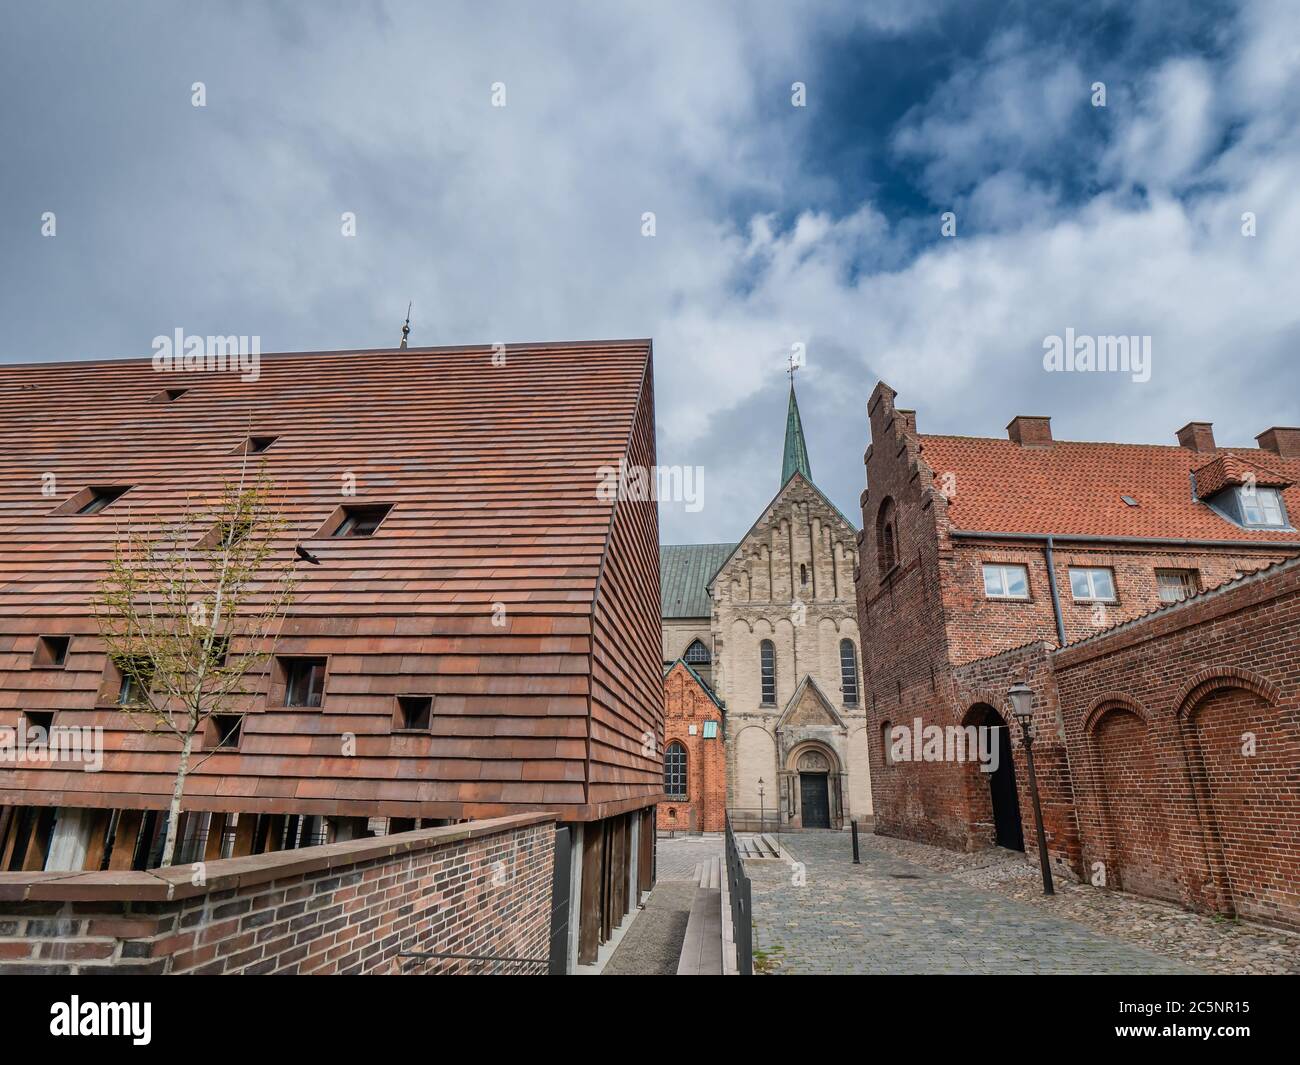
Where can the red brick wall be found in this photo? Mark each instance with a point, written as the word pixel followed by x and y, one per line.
pixel 901 618
pixel 477 888
pixel 686 704
pixel 1209 824
pixel 1216 831
pixel 978 626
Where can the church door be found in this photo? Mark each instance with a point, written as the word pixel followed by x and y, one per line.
pixel 814 800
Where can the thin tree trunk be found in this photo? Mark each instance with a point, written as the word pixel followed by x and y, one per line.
pixel 174 814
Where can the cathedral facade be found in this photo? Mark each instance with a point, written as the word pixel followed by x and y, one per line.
pixel 770 625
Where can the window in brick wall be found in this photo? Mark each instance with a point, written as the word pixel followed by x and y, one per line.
pixel 767 671
pixel 1092 584
pixel 135 679
pixel 1005 582
pixel 675 770
pixel 39 719
pixel 414 713
pixel 710 730
pixel 1177 584
pixel 224 731
pixel 51 652
pixel 304 681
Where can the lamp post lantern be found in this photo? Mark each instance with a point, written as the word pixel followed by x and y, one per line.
pixel 1022 705
pixel 761 826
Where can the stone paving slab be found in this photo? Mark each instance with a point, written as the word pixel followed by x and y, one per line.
pixel 678 855
pixel 891 916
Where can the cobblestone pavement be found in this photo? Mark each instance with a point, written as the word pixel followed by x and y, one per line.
pixel 652 944
pixel 1208 943
pixel 892 915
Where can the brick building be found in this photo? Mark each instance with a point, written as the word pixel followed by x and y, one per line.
pixel 988 562
pixel 479 638
pixel 769 624
pixel 695 764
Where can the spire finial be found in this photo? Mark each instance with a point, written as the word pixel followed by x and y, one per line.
pixel 795 456
pixel 406 327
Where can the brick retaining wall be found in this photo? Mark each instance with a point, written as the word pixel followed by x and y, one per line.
pixel 479 888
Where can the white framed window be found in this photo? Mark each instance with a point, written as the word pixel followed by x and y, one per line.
pixel 1002 581
pixel 710 730
pixel 1262 506
pixel 1092 584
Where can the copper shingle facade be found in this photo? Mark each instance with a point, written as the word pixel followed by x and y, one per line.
pixel 500 583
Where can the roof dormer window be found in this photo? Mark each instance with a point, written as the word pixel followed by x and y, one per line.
pixel 1261 507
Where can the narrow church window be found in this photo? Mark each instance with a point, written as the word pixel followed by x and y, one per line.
pixel 767 663
pixel 675 770
pixel 848 673
pixel 803 574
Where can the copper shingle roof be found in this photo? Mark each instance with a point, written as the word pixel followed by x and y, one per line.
pixel 684 574
pixel 491 471
pixel 1070 488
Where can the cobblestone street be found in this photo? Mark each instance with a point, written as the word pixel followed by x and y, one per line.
pixel 890 915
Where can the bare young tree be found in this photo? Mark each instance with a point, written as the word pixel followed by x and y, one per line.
pixel 190 609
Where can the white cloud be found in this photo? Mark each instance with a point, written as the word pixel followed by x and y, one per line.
pixel 523 223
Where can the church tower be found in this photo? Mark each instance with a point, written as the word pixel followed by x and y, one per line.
pixel 787 657
pixel 769 627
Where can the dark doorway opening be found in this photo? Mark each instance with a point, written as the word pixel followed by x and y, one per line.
pixel 1002 789
pixel 814 800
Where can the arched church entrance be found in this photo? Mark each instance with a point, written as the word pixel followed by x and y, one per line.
pixel 818 783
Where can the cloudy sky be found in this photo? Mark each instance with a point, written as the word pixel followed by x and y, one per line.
pixel 775 224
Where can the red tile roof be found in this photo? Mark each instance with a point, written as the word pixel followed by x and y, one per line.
pixel 1230 469
pixel 1071 488
pixel 492 473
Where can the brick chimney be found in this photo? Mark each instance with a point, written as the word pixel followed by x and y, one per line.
pixel 1198 436
pixel 1030 430
pixel 1281 440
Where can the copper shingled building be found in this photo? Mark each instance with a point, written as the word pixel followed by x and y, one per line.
pixel 500 586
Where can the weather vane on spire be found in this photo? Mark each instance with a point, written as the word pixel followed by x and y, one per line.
pixel 406 326
pixel 796 361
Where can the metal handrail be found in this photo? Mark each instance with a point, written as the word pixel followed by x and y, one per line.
pixel 739 890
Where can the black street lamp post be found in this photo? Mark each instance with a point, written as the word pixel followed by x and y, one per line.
pixel 1022 705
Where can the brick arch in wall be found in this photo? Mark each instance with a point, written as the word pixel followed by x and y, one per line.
pixel 1128 783
pixel 1208 680
pixel 981 705
pixel 1242 751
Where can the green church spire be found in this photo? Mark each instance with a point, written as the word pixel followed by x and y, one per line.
pixel 796 450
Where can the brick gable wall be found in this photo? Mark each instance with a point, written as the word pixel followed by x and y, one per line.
pixel 705 807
